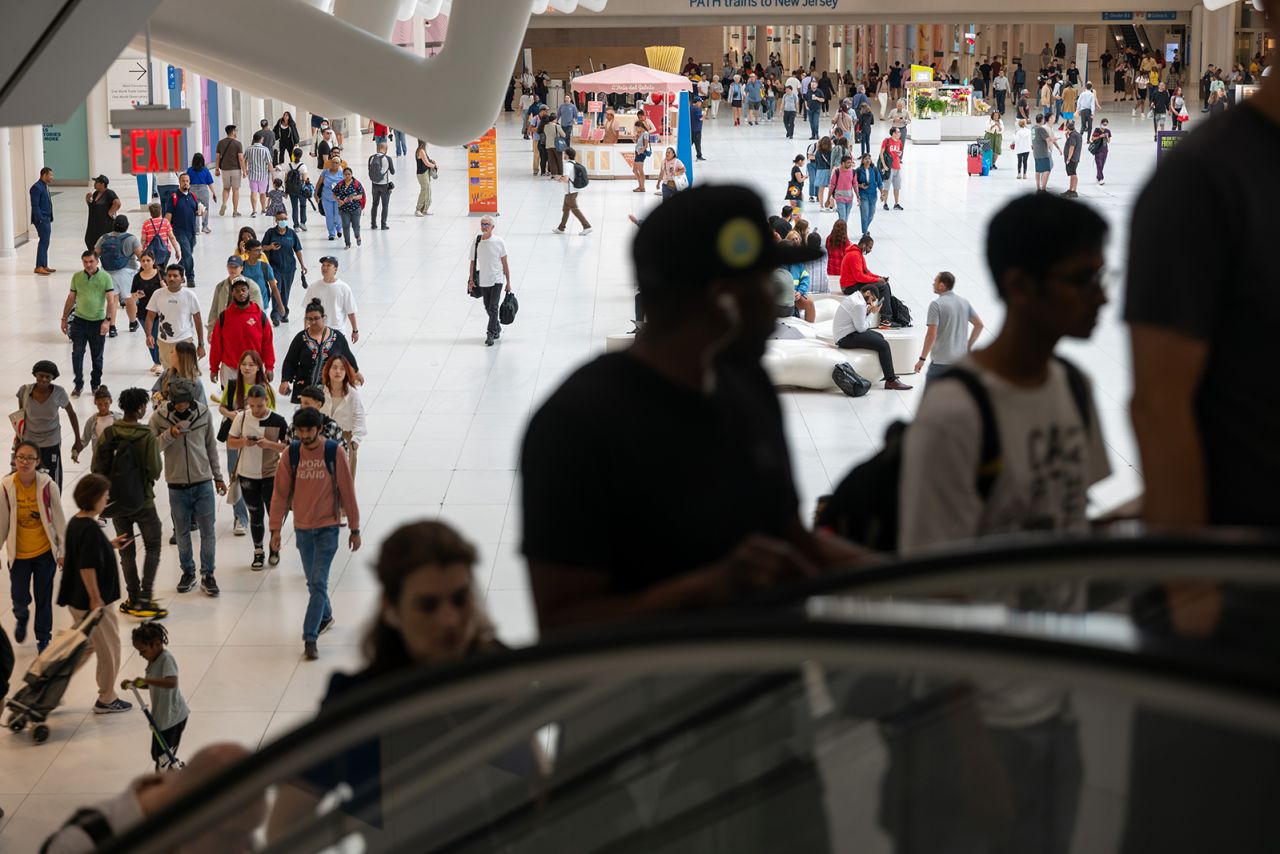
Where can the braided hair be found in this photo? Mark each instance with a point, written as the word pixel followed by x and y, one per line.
pixel 149 633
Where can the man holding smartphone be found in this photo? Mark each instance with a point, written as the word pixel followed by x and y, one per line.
pixel 191 469
pixel 852 331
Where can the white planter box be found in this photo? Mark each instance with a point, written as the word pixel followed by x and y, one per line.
pixel 926 131
pixel 965 128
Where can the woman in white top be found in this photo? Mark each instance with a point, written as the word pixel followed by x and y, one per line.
pixel 1022 146
pixel 257 434
pixel 342 403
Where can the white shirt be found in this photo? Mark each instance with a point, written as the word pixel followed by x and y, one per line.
pixel 490 253
pixel 851 316
pixel 348 411
pixel 794 84
pixel 255 462
pixel 339 304
pixel 176 313
pixel 1022 140
pixel 1087 101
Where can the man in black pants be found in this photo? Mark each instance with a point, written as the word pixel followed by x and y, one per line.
pixel 852 333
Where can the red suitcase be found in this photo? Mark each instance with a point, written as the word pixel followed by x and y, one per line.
pixel 975 160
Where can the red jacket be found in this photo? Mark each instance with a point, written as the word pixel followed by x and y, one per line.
pixel 853 269
pixel 239 329
pixel 835 255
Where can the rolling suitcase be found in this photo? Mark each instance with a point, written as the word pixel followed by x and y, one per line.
pixel 975 159
pixel 988 155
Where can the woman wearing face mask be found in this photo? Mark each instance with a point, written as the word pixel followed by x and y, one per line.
pixel 235 398
pixel 310 350
pixel 429 614
pixel 257 436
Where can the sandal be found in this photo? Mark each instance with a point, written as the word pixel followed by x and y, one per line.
pixel 257 559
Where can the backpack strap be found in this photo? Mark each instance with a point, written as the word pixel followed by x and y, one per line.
pixel 990 458
pixel 1079 387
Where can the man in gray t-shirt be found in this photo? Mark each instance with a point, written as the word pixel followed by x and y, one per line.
pixel 948 337
pixel 1041 139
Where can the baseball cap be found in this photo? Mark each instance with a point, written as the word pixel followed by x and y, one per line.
pixel 102 179
pixel 329 259
pixel 708 232
pixel 263 123
pixel 235 261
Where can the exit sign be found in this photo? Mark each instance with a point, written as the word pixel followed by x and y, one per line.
pixel 143 151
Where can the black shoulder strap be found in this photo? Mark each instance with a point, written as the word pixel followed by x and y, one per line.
pixel 991 459
pixel 92 822
pixel 1079 387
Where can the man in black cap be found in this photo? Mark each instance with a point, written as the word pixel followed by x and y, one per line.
pixel 658 479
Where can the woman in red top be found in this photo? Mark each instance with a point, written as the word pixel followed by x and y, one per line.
pixel 837 245
pixel 854 276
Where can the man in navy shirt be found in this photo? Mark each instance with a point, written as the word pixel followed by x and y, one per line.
pixel 184 215
pixel 284 252
pixel 42 219
pixel 695 126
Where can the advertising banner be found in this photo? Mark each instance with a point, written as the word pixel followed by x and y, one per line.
pixel 482 174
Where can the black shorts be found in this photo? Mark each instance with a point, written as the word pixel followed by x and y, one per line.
pixel 1072 165
pixel 737 104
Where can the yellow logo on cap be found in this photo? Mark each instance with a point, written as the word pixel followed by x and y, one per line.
pixel 739 243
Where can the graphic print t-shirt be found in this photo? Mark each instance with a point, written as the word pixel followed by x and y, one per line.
pixel 176 313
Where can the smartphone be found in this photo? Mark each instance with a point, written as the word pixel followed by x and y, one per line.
pixel 184 426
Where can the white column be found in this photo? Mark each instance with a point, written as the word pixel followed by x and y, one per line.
pixel 419 35
pixel 226 96
pixel 1195 63
pixel 6 197
pixel 192 94
pixel 33 143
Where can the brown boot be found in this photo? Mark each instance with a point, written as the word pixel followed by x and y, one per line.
pixel 42 271
pixel 896 385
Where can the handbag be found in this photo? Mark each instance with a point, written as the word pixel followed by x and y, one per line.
pixel 680 182
pixel 475 273
pixel 507 311
pixel 303 277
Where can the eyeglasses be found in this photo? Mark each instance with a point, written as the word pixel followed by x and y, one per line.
pixel 486 225
pixel 23 458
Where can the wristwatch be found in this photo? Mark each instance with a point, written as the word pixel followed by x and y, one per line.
pixel 355 532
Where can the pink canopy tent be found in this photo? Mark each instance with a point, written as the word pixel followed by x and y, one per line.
pixel 631 78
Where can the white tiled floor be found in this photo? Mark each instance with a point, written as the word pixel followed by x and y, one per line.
pixel 446 414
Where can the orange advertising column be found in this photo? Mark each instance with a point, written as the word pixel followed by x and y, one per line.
pixel 482 174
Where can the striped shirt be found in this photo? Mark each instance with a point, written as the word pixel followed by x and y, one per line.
pixel 258 159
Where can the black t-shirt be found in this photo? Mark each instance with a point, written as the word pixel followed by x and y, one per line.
pixel 1160 101
pixel 624 471
pixel 1223 277
pixel 148 287
pixel 88 547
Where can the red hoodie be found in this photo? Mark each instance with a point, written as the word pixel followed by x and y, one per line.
pixel 853 269
pixel 240 329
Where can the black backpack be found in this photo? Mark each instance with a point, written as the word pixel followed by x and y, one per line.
pixel 580 177
pixel 293 182
pixel 119 461
pixel 864 507
pixel 899 312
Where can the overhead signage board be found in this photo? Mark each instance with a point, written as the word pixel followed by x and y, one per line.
pixel 144 151
pixel 126 84
pixel 1162 16
pixel 1117 16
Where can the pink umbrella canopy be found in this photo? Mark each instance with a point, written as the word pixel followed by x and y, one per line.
pixel 631 78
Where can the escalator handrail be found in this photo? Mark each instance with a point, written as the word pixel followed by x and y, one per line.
pixel 1241 695
pixel 1242 557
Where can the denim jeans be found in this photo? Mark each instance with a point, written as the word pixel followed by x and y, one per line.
pixel 154 331
pixel 241 510
pixel 284 280
pixel 812 183
pixel 350 225
pixel 866 211
pixel 149 526
pixel 194 502
pixel 381 195
pixel 43 230
pixel 492 298
pixel 789 122
pixel 317 546
pixel 331 220
pixel 86 332
pixel 814 116
pixel 187 243
pixel 34 574
pixel 402 147
pixel 842 210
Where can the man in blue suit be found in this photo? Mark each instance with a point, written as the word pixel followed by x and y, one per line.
pixel 42 219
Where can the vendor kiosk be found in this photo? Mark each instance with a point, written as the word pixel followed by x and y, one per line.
pixel 614 159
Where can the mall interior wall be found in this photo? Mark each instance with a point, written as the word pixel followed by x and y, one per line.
pixel 559 50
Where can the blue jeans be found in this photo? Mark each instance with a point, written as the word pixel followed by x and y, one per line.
pixel 154 331
pixel 317 546
pixel 241 509
pixel 866 210
pixel 815 114
pixel 331 220
pixel 813 181
pixel 185 504
pixel 43 230
pixel 284 281
pixel 402 147
pixel 28 574
pixel 187 243
pixel 86 332
pixel 842 210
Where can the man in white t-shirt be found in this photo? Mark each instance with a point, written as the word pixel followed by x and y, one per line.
pixel 570 195
pixel 490 273
pixel 178 311
pixel 1046 256
pixel 338 301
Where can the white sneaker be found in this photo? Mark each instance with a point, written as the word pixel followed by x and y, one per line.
pixel 1100 183
pixel 586 231
pixel 237 528
pixel 557 231
pixel 418 213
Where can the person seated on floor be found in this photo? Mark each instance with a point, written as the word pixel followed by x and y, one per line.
pixel 851 330
pixel 91 828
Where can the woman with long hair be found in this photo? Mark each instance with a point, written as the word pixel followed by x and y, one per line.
pixel 349 194
pixel 235 398
pixel 202 187
pixel 995 134
pixel 185 366
pixel 837 244
pixel 670 168
pixel 145 283
pixel 245 234
pixel 342 403
pixel 287 138
pixel 426 170
pixel 257 436
pixel 642 150
pixel 429 614
pixel 822 172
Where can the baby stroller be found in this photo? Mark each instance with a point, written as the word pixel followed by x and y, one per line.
pixel 46 681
